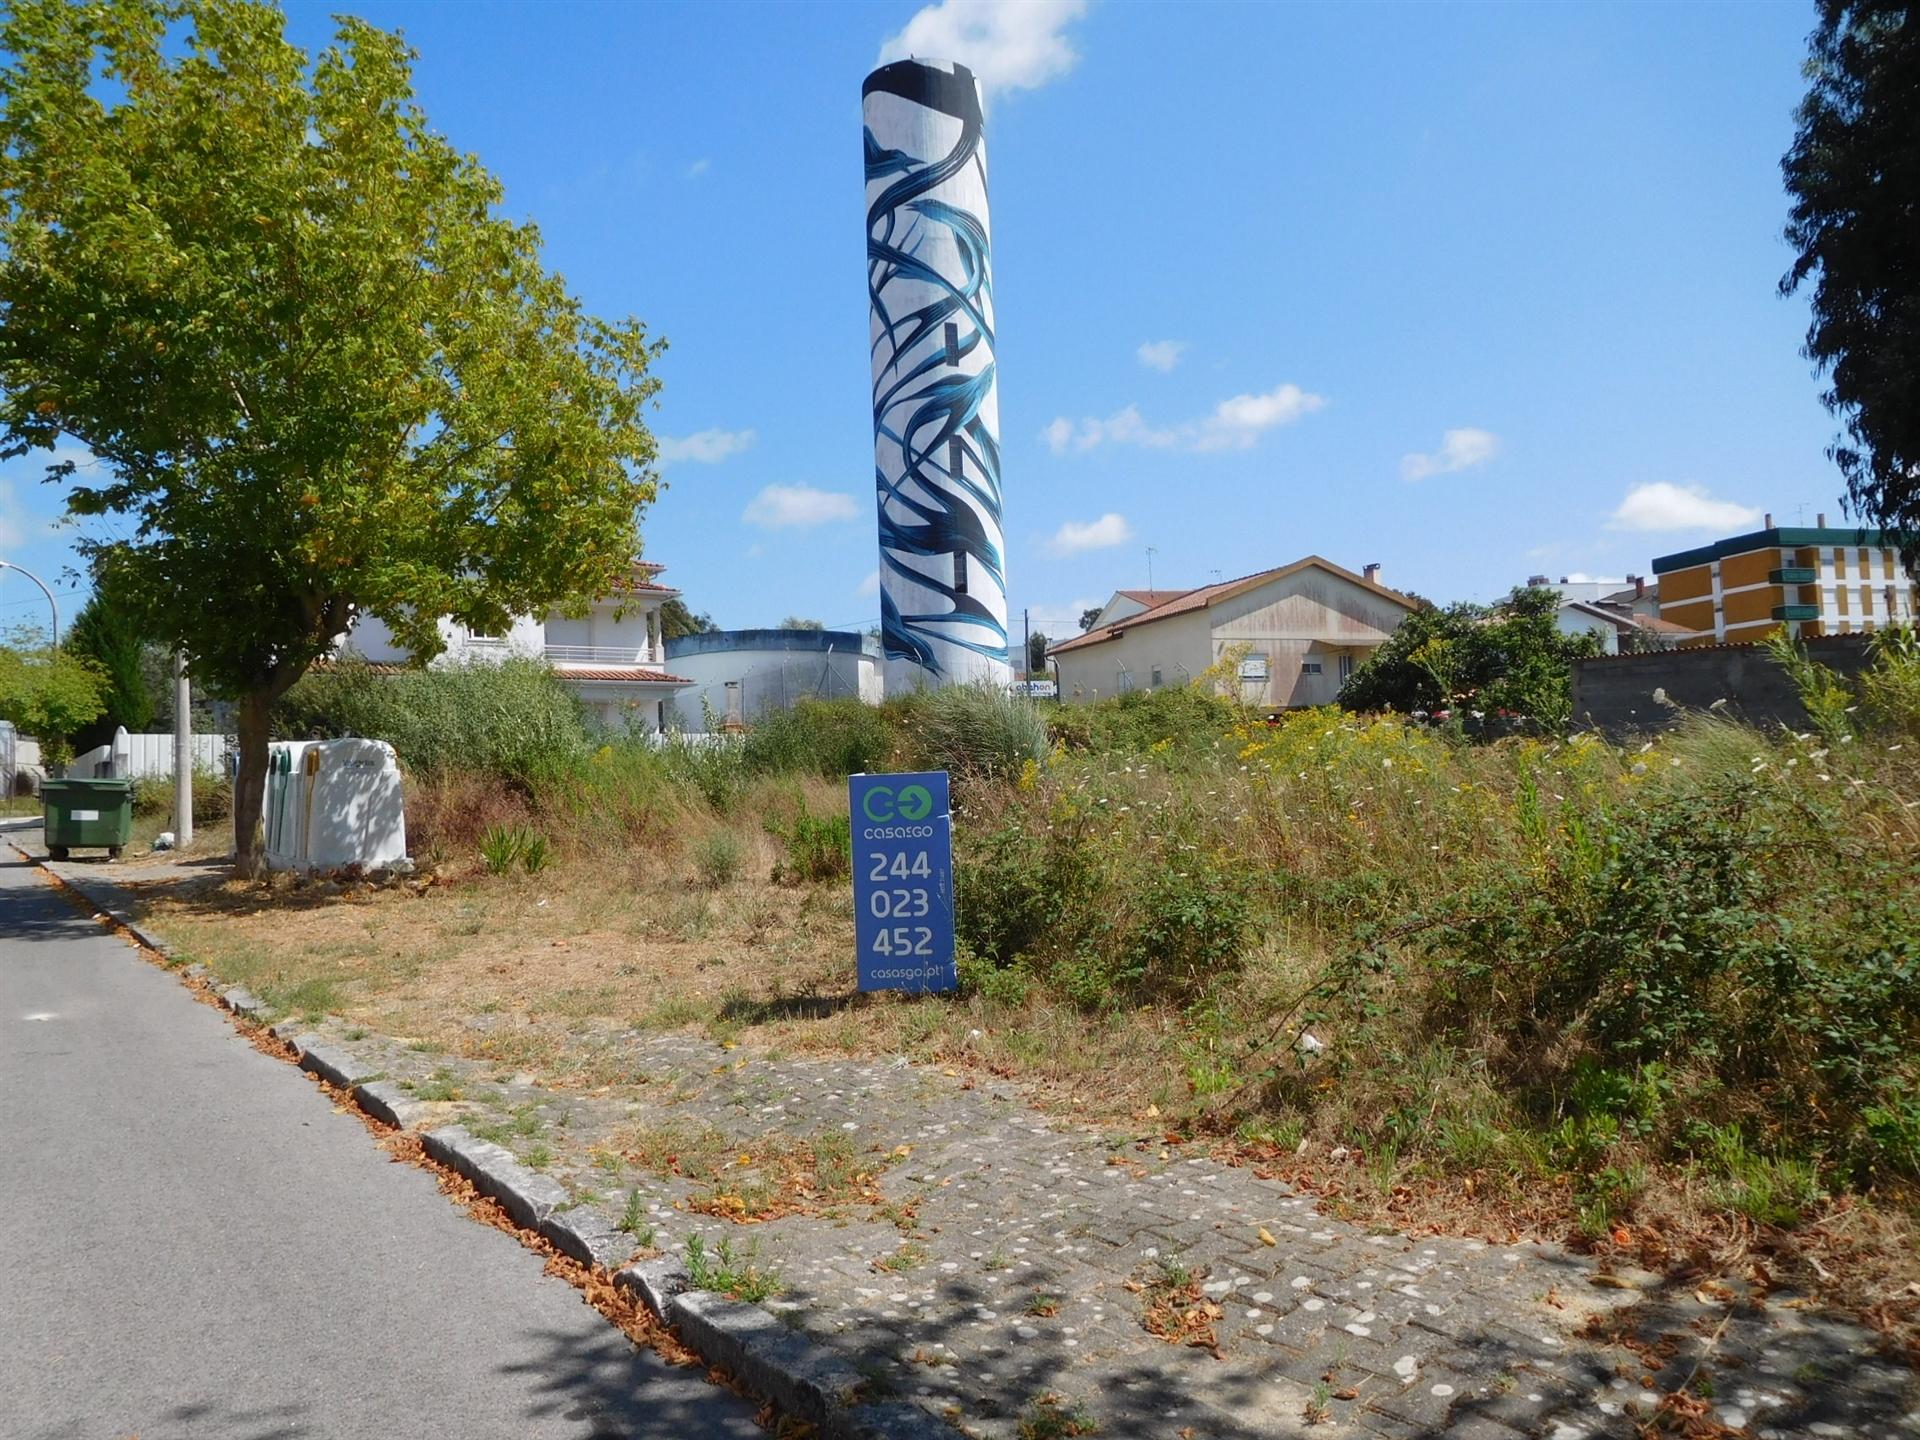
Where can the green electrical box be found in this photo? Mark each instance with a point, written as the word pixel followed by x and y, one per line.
pixel 94 813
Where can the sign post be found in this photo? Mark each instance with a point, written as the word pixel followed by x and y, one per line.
pixel 903 881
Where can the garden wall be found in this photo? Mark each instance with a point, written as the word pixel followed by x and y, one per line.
pixel 1616 694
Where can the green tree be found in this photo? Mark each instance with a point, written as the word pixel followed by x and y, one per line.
pixel 48 694
pixel 107 634
pixel 1037 652
pixel 677 620
pixel 325 378
pixel 1503 666
pixel 794 622
pixel 1087 617
pixel 1854 174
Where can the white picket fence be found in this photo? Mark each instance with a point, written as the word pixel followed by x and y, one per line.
pixel 153 755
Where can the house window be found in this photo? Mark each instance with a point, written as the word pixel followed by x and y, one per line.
pixel 1123 681
pixel 953 343
pixel 1346 668
pixel 956 457
pixel 959 572
pixel 1156 677
pixel 1309 667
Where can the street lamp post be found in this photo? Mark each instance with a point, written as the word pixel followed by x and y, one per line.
pixel 52 604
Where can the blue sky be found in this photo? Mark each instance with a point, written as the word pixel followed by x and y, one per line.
pixel 1471 291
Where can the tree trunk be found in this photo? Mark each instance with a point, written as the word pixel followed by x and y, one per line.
pixel 250 783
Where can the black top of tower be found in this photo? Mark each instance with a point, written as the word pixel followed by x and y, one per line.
pixel 951 92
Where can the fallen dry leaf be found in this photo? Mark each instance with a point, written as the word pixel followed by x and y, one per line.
pixel 1265 1238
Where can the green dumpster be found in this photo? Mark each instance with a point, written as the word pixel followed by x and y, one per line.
pixel 87 812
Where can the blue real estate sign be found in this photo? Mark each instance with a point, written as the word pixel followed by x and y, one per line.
pixel 903 881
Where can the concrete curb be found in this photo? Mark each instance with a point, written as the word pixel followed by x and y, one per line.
pixel 803 1378
pixel 657 1281
pixel 84 888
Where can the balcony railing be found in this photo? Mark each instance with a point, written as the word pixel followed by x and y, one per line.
pixel 599 655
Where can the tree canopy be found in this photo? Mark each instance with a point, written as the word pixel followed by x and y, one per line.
pixel 48 693
pixel 1854 174
pixel 677 620
pixel 107 634
pixel 1496 668
pixel 1037 651
pixel 323 375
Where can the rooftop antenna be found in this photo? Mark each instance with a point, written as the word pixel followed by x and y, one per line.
pixel 1149 567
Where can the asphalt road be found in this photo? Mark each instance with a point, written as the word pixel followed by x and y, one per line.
pixel 196 1246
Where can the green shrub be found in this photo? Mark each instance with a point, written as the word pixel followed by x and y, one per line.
pixel 829 738
pixel 505 846
pixel 1188 720
pixel 972 730
pixel 1189 931
pixel 1018 887
pixel 1890 686
pixel 718 856
pixel 713 766
pixel 819 847
pixel 514 719
pixel 212 797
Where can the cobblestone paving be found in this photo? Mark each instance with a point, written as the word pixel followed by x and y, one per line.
pixel 985 1204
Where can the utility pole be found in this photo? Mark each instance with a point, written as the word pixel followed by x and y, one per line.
pixel 182 753
pixel 1149 567
pixel 1026 653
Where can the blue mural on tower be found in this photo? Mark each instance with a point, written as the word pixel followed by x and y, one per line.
pixel 936 420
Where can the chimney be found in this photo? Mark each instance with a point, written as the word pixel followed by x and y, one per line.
pixel 1821 519
pixel 1373 573
pixel 1766 521
pixel 1639 586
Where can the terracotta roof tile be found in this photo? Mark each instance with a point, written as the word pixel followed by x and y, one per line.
pixel 636 673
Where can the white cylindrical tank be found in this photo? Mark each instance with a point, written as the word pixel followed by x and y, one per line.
pixel 936 415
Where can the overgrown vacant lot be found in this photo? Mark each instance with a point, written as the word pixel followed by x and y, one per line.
pixel 1666 998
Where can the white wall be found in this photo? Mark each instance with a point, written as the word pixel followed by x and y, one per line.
pixel 771 680
pixel 370 639
pixel 1179 645
pixel 151 755
pixel 1569 621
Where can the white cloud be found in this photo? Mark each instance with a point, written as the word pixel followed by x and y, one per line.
pixel 798 507
pixel 1008 44
pixel 1662 505
pixel 1460 449
pixel 1102 534
pixel 1235 424
pixel 870 585
pixel 1161 355
pixel 698 168
pixel 704 447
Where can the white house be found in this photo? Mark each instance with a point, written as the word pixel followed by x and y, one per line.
pixel 1303 627
pixel 613 657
